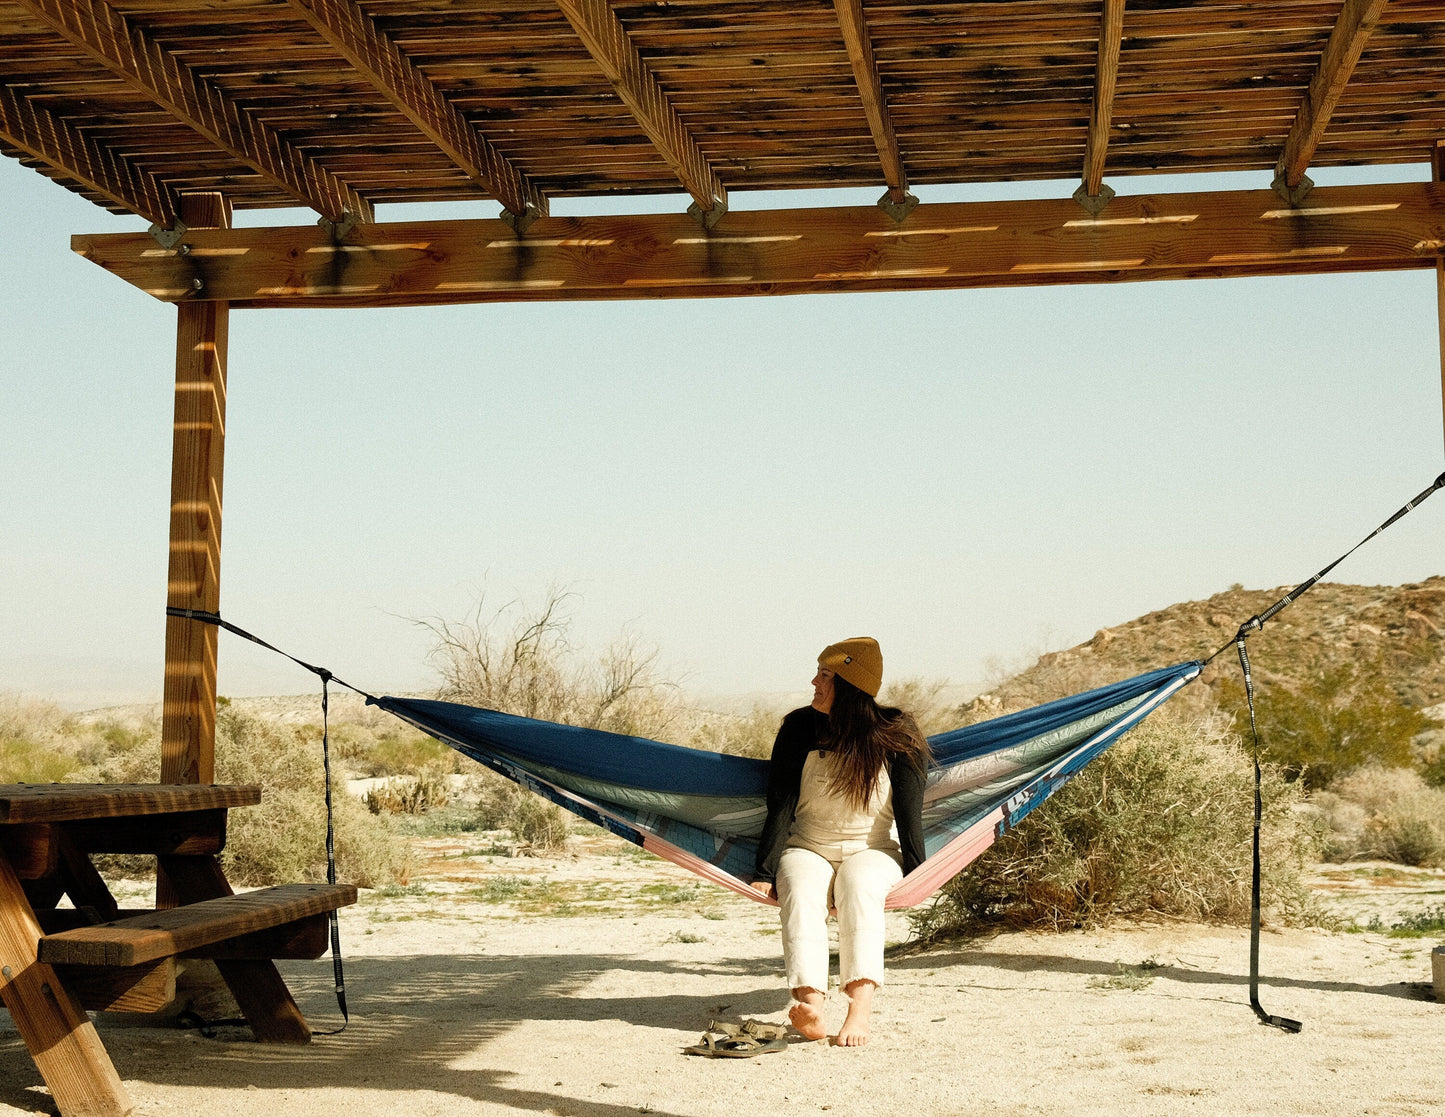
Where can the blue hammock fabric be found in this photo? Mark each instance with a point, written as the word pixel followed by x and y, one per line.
pixel 705 811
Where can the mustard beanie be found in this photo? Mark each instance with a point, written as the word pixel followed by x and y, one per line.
pixel 859 660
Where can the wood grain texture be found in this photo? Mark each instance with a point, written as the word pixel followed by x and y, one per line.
pixel 172 931
pixel 870 89
pixel 1352 31
pixel 976 92
pixel 606 40
pixel 145 988
pixel 133 54
pixel 1234 233
pixel 256 984
pixel 56 1031
pixel 45 136
pixel 59 802
pixel 1437 174
pixel 1106 77
pixel 347 28
pixel 198 446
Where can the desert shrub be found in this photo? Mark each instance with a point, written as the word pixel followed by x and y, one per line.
pixel 1386 813
pixel 1343 717
pixel 415 795
pixel 1162 823
pixel 520 661
pixel 394 749
pixel 39 743
pixel 923 698
pixel 750 734
pixel 282 839
pixel 26 761
pixel 503 805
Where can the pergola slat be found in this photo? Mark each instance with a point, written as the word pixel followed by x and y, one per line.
pixel 348 29
pixel 973 244
pixel 870 89
pixel 1357 21
pixel 1106 77
pixel 132 54
pixel 50 139
pixel 607 42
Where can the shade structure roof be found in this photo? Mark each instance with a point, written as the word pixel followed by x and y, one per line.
pixel 345 105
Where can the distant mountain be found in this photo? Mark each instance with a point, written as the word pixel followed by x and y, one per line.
pixel 1399 630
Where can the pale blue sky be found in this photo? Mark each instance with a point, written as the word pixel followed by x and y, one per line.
pixel 968 475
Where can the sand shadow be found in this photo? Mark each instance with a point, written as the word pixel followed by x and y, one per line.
pixel 1062 963
pixel 416 1024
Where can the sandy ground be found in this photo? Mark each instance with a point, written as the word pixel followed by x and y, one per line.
pixel 513 985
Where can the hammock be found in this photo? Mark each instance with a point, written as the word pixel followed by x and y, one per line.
pixel 704 811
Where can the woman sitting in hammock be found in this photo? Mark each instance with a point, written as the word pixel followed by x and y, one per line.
pixel 844 771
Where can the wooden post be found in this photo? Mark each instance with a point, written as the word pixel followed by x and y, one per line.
pixel 188 726
pixel 1437 172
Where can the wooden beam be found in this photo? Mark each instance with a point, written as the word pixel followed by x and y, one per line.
pixel 353 34
pixel 132 54
pixel 870 88
pixel 40 133
pixel 188 707
pixel 971 244
pixel 1347 41
pixel 602 33
pixel 1106 77
pixel 1437 174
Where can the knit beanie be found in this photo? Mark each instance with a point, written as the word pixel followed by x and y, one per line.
pixel 858 660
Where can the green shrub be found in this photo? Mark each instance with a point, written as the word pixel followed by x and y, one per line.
pixel 417 795
pixel 1162 824
pixel 1342 718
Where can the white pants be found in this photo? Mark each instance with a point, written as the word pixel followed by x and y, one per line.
pixel 857 885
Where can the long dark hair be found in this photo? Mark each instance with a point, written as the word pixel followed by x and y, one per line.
pixel 866 736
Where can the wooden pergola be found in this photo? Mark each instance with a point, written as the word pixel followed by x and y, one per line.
pixel 181 111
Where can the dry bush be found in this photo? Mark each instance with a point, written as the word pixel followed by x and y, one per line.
pixel 539 825
pixel 409 795
pixel 923 698
pixel 750 734
pixel 1161 824
pixel 1389 814
pixel 282 839
pixel 519 661
pixel 391 748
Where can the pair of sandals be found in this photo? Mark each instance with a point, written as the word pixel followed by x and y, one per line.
pixel 740 1041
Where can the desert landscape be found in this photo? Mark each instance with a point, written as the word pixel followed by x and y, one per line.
pixel 569 985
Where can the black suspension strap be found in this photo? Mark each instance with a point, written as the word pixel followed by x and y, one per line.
pixel 327 678
pixel 1273 1021
pixel 1249 627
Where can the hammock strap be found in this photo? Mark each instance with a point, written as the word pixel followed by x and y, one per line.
pixel 1282 1022
pixel 327 678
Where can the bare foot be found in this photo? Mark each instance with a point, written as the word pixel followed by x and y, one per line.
pixel 807 1015
pixel 854 1032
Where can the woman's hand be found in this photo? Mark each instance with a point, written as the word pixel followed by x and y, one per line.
pixel 765 887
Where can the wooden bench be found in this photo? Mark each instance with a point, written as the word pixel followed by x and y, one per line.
pixel 148 936
pixel 57 962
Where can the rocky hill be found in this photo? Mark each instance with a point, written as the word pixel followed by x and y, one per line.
pixel 1396 630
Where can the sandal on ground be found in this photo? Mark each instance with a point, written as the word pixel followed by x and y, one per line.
pixel 740 1041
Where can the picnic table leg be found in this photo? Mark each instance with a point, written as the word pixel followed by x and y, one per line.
pixel 257 986
pixel 59 1034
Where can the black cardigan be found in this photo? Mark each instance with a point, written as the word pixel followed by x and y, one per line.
pixel 798 736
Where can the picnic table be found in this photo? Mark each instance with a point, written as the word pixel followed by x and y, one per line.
pixel 57 963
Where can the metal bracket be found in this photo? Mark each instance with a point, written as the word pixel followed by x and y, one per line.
pixel 897 210
pixel 707 218
pixel 338 229
pixel 169 238
pixel 1294 195
pixel 521 222
pixel 1094 203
